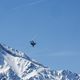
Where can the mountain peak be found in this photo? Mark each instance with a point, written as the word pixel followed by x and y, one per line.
pixel 16 65
pixel 6 49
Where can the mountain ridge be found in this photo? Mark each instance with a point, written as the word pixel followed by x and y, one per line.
pixel 16 65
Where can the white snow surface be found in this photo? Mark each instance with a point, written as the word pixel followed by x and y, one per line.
pixel 16 65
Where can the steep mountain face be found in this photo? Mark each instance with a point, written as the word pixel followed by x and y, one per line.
pixel 16 65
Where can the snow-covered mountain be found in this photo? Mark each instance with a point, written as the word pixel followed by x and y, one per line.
pixel 16 65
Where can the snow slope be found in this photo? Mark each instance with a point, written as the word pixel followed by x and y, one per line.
pixel 16 65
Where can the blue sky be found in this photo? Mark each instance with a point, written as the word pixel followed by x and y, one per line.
pixel 53 24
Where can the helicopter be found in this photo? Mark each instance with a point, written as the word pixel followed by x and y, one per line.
pixel 32 43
